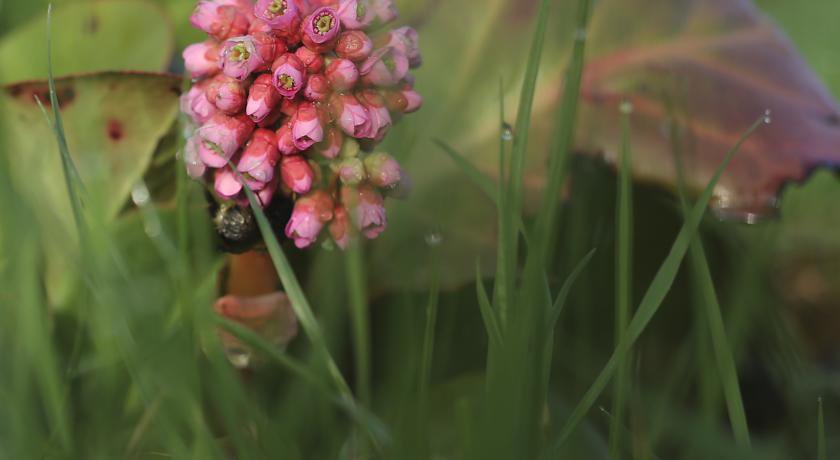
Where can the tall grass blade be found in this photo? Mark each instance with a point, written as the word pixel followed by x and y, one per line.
pixel 563 295
pixel 651 301
pixel 360 317
pixel 488 314
pixel 623 273
pixel 822 453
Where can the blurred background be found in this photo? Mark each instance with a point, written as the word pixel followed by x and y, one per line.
pixel 110 349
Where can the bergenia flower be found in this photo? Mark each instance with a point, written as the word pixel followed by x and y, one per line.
pixel 356 14
pixel 308 218
pixel 342 74
pixel 277 14
pixel 307 129
pixel 383 170
pixel 289 75
pixel 239 57
pixel 290 96
pixel 202 59
pixel 259 159
pixel 297 174
pixel 322 26
pixel 263 97
pixel 385 67
pixel 354 45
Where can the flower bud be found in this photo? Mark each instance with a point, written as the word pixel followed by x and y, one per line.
pixel 355 14
pixel 259 159
pixel 263 97
pixel 239 57
pixel 221 137
pixel 405 40
pixel 289 74
pixel 227 94
pixel 278 14
pixel 342 74
pixel 285 141
pixel 297 174
pixel 353 118
pixel 196 105
pixel 366 208
pixel 380 118
pixel 307 129
pixel 330 147
pixel 351 171
pixel 308 218
pixel 340 227
pixel 383 170
pixel 385 10
pixel 404 100
pixel 385 67
pixel 268 47
pixel 322 26
pixel 202 59
pixel 266 195
pixel 219 21
pixel 354 45
pixel 227 185
pixel 317 88
pixel 314 62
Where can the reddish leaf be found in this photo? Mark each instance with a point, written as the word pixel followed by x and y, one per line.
pixel 706 69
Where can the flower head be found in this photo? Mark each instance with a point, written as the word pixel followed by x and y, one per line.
pixel 366 210
pixel 219 20
pixel 405 40
pixel 354 45
pixel 221 137
pixel 308 218
pixel 321 26
pixel 317 88
pixel 297 173
pixel 202 59
pixel 352 116
pixel 239 57
pixel 385 67
pixel 263 97
pixel 342 74
pixel 383 170
pixel 259 159
pixel 356 14
pixel 277 14
pixel 196 105
pixel 307 129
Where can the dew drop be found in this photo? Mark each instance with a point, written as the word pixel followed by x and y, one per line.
pixel 434 239
pixel 140 194
pixel 580 34
pixel 507 132
pixel 768 117
pixel 626 107
pixel 152 228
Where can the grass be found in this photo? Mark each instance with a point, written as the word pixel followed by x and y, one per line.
pixel 130 365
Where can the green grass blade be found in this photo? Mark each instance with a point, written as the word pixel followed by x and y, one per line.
pixel 623 274
pixel 360 317
pixel 488 315
pixel 560 300
pixel 822 453
pixel 651 301
pixel 481 180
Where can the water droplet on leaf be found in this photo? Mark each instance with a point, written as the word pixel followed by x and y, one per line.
pixel 434 239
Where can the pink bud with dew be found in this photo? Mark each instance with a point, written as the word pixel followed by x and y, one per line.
pixel 297 174
pixel 355 14
pixel 321 26
pixel 342 74
pixel 406 41
pixel 227 185
pixel 415 100
pixel 196 105
pixel 263 97
pixel 353 118
pixel 380 118
pixel 278 14
pixel 227 94
pixel 383 170
pixel 195 168
pixel 268 47
pixel 308 218
pixel 354 45
pixel 385 10
pixel 289 75
pixel 367 210
pixel 351 171
pixel 239 57
pixel 218 20
pixel 307 128
pixel 330 147
pixel 317 88
pixel 202 59
pixel 259 159
pixel 404 100
pixel 285 141
pixel 221 137
pixel 385 67
pixel 314 62
pixel 340 227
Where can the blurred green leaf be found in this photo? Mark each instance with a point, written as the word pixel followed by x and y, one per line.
pixel 90 37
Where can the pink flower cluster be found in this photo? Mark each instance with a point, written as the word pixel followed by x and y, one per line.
pixel 295 94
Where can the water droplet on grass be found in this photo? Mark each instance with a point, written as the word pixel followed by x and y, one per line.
pixel 507 132
pixel 768 117
pixel 626 107
pixel 434 239
pixel 140 194
pixel 580 35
